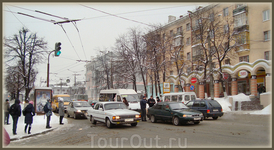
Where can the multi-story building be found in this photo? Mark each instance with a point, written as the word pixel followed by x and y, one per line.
pixel 244 30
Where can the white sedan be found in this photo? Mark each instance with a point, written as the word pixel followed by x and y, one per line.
pixel 78 109
pixel 113 113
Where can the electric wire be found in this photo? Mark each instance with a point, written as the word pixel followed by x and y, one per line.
pixel 116 15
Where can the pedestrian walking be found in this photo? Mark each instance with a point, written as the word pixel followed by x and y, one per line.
pixel 48 111
pixel 7 115
pixel 28 112
pixel 143 103
pixel 151 101
pixel 61 109
pixel 125 101
pixel 15 112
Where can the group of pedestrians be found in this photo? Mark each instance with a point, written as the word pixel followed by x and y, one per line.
pixel 151 102
pixel 15 111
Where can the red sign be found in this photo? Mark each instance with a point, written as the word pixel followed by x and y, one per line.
pixel 193 80
pixel 225 75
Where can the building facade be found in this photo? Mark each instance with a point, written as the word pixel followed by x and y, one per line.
pixel 247 64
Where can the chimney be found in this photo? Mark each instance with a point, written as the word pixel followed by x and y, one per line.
pixel 171 18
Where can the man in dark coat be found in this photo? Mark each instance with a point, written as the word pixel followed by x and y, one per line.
pixel 29 113
pixel 16 115
pixel 143 103
pixel 151 101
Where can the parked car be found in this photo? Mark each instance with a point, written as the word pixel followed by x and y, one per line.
pixel 112 113
pixel 92 103
pixel 209 108
pixel 78 109
pixel 176 112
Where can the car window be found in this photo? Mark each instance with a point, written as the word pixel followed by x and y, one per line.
pixel 175 106
pixel 187 98
pixel 180 98
pixel 81 104
pixel 202 104
pixel 157 106
pixel 101 106
pixel 196 104
pixel 214 104
pixel 115 106
pixel 118 98
pixel 165 106
pixel 97 106
pixel 174 98
pixel 189 104
pixel 167 98
pixel 193 97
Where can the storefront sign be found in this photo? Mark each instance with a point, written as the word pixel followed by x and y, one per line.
pixel 193 80
pixel 242 74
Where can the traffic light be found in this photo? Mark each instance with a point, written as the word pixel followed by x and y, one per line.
pixel 57 48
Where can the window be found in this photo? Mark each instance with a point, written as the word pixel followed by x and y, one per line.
pixel 196 104
pixel 266 15
pixel 187 98
pixel 171 33
pixel 202 104
pixel 227 61
pixel 179 30
pixel 171 72
pixel 188 56
pixel 225 10
pixel 189 104
pixel 239 5
pixel 188 26
pixel 164 36
pixel 240 20
pixel 241 39
pixel 266 35
pixel 226 28
pixel 188 41
pixel 266 55
pixel 211 17
pixel 244 59
pixel 158 106
pixel 174 98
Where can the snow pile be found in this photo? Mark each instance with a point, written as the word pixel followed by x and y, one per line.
pixel 224 103
pixel 240 97
pixel 265 111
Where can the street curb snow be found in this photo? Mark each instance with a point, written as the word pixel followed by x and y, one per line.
pixel 27 136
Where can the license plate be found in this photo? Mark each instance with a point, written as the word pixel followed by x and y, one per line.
pixel 197 118
pixel 127 120
pixel 215 110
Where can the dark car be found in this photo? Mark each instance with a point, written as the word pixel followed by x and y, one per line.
pixel 176 112
pixel 209 108
pixel 92 103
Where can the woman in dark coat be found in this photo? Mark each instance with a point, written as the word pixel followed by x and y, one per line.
pixel 29 113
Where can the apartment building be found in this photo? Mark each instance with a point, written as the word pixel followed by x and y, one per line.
pixel 247 29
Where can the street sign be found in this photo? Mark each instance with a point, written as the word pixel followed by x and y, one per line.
pixel 225 75
pixel 192 87
pixel 166 87
pixel 193 80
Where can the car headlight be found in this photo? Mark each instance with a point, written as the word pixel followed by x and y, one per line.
pixel 115 117
pixel 137 116
pixel 187 115
pixel 78 110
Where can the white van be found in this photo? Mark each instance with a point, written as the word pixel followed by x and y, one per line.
pixel 183 97
pixel 117 95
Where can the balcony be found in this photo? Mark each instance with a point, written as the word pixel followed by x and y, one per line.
pixel 240 10
pixel 242 48
pixel 242 28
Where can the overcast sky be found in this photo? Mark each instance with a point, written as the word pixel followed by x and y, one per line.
pixel 97 30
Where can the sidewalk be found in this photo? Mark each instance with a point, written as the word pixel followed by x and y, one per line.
pixel 38 126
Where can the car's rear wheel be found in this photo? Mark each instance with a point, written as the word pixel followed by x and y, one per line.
pixel 176 121
pixel 92 120
pixel 153 119
pixel 134 124
pixel 108 123
pixel 215 118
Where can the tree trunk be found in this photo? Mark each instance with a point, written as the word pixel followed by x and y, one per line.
pixel 156 91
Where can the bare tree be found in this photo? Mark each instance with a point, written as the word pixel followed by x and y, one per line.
pixel 28 50
pixel 132 49
pixel 13 82
pixel 215 40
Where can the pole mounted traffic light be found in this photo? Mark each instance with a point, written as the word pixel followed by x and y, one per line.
pixel 57 48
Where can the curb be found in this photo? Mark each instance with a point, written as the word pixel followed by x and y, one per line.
pixel 27 136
